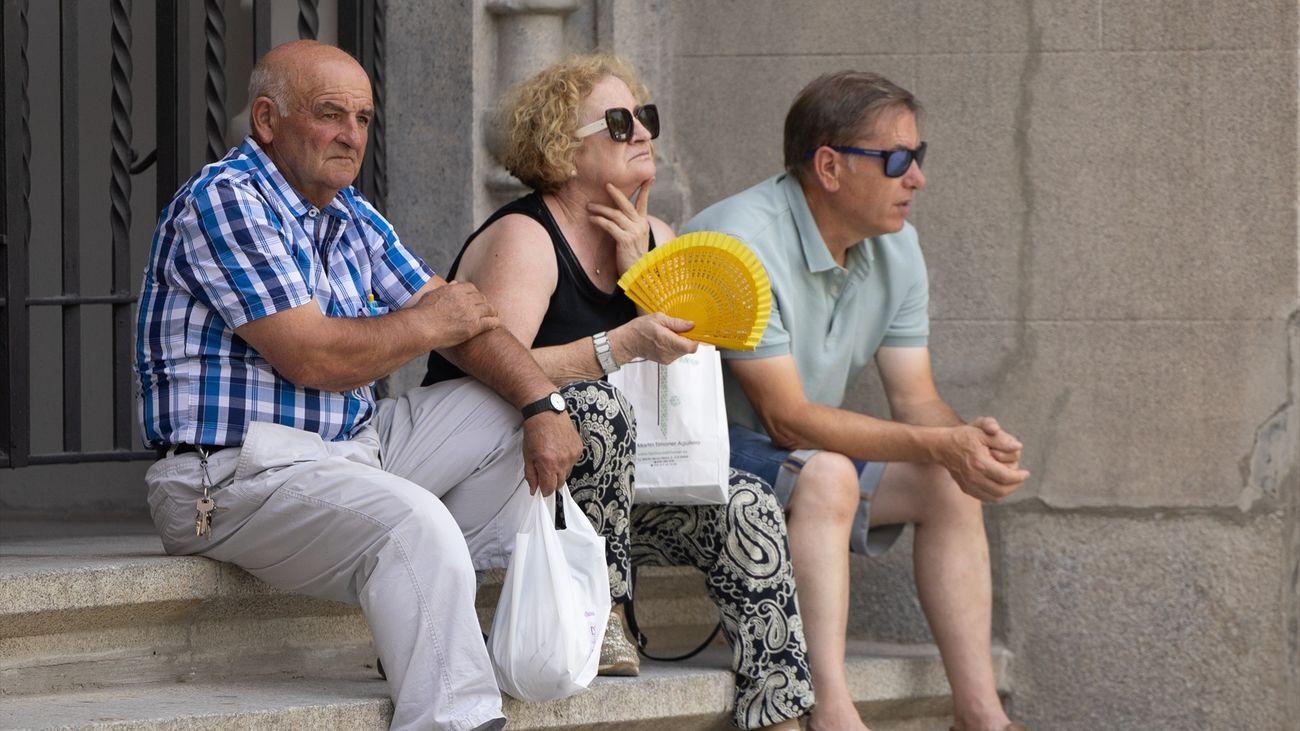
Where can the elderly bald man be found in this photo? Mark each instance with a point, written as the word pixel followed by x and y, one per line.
pixel 274 297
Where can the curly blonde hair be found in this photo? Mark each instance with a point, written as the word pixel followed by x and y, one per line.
pixel 540 117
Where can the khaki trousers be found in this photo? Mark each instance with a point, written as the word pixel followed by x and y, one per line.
pixel 395 520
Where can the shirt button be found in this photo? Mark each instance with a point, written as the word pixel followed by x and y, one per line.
pixel 313 212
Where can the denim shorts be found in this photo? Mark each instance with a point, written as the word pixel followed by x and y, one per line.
pixel 754 452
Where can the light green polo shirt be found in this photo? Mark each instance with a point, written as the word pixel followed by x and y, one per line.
pixel 831 318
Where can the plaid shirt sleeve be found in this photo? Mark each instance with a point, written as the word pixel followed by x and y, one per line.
pixel 396 272
pixel 239 260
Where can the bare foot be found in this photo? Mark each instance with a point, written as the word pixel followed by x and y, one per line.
pixel 992 719
pixel 838 717
pixel 1003 725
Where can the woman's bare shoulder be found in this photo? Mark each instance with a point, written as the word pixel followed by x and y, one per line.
pixel 512 240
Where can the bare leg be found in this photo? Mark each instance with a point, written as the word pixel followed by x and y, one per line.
pixel 951 561
pixel 819 517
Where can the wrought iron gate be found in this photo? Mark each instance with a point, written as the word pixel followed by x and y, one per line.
pixel 31 319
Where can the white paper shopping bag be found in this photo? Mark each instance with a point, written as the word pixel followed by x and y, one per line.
pixel 682 451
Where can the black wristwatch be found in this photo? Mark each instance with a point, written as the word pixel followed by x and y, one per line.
pixel 551 402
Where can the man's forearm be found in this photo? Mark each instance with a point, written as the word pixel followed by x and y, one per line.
pixel 859 435
pixel 503 364
pixel 342 353
pixel 930 413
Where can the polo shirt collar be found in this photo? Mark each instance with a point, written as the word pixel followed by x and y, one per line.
pixel 815 254
pixel 299 205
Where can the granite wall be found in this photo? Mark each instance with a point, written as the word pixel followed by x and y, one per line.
pixel 1111 229
pixel 1110 225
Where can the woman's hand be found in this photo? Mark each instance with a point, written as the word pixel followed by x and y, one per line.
pixel 653 337
pixel 628 224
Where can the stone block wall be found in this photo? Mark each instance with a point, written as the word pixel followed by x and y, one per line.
pixel 1111 229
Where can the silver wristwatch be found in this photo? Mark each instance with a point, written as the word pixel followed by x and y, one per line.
pixel 604 354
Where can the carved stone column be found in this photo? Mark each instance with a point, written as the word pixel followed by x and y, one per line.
pixel 641 32
pixel 530 35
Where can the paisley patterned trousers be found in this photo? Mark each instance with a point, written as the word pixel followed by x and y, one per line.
pixel 741 547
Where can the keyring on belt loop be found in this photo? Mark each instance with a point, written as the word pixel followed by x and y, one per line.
pixel 203 465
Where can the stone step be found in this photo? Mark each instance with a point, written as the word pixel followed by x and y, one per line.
pixel 897 688
pixel 100 629
pixel 82 608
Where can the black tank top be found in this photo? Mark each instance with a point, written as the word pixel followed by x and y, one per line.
pixel 577 309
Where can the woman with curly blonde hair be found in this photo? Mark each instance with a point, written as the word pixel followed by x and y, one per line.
pixel 579 134
pixel 539 121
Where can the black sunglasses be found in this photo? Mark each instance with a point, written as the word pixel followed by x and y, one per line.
pixel 897 162
pixel 619 123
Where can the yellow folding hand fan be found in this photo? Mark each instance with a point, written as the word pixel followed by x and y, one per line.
pixel 709 278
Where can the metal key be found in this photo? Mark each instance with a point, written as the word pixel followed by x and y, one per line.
pixel 203 517
pixel 205 506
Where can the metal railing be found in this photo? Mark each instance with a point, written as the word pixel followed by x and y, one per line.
pixel 360 31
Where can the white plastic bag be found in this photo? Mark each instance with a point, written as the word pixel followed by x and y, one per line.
pixel 550 620
pixel 682 449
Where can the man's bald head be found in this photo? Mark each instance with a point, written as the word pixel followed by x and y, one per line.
pixel 310 113
pixel 284 71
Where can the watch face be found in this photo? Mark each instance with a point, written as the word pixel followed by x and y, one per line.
pixel 557 402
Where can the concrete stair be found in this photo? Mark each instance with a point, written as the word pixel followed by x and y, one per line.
pixel 100 630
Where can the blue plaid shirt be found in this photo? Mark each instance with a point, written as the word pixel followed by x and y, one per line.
pixel 236 244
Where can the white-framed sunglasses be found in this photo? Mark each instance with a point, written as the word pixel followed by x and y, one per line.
pixel 618 121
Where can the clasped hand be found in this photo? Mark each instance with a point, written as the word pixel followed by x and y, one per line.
pixel 985 460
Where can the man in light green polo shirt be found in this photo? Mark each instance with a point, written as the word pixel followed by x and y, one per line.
pixel 849 286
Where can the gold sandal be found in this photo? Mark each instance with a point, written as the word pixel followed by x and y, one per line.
pixel 618 655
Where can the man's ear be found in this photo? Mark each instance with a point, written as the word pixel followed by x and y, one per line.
pixel 260 117
pixel 826 169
